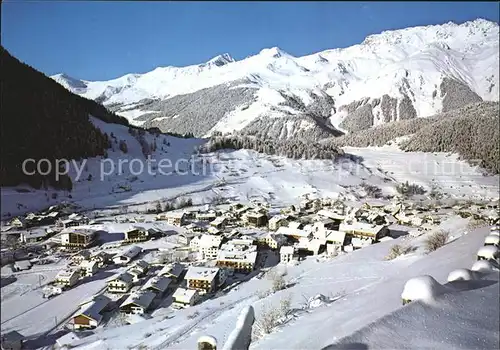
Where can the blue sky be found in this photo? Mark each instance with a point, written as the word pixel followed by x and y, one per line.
pixel 97 40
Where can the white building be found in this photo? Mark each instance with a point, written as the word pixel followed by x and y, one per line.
pixel 209 247
pixel 238 257
pixel 88 268
pixel 184 297
pixel 138 302
pixel 203 279
pixel 277 221
pixel 67 278
pixel 32 236
pixel 91 312
pixel 121 283
pixel 286 254
pixel 273 240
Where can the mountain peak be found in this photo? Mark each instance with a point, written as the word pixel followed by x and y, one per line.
pixel 220 60
pixel 68 82
pixel 274 52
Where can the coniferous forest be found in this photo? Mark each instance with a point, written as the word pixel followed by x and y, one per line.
pixel 41 119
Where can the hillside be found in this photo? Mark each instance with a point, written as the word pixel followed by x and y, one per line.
pixel 391 76
pixel 471 131
pixel 41 119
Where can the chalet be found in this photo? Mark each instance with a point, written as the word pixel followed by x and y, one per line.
pixel 127 256
pixel 293 232
pixel 78 238
pixel 363 230
pixel 209 247
pixel 255 219
pixel 176 218
pixel 91 312
pixel 241 211
pixel 33 236
pixel 73 220
pixel 194 245
pixel 102 258
pixel 67 278
pixel 278 221
pixel 185 237
pixel 219 222
pixel 141 265
pixel 157 285
pixel 273 240
pixel 80 256
pixel 336 238
pixel 12 340
pixel 194 227
pixel 310 245
pixel 174 272
pixel 138 302
pixel 121 284
pixel 286 254
pixel 202 279
pixel 184 297
pixel 88 268
pixel 239 258
pixel 136 234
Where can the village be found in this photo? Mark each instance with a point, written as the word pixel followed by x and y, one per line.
pixel 179 258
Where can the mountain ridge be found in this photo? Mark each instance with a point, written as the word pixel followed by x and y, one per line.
pixel 393 75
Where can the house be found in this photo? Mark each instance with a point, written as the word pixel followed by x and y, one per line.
pixel 310 245
pixel 185 237
pixel 185 297
pixel 233 207
pixel 203 279
pixel 17 222
pixel 176 218
pixel 121 284
pixel 80 256
pixel 33 236
pixel 336 238
pixel 88 268
pixel 364 230
pixel 277 221
pixel 273 240
pixel 209 247
pixel 22 265
pixel 73 220
pixel 214 231
pixel 219 222
pixel 12 340
pixel 102 258
pixel 67 278
pixel 174 271
pixel 194 227
pixel 194 245
pixel 78 238
pixel 138 302
pixel 332 249
pixel 141 265
pixel 286 254
pixel 240 258
pixel 255 219
pixel 136 274
pixel 208 216
pixel 157 285
pixel 91 312
pixel 127 256
pixel 136 234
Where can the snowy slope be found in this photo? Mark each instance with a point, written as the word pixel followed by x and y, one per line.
pixel 413 72
pixel 362 277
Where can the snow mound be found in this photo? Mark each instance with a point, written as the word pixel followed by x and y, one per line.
pixel 488 252
pixel 423 288
pixel 482 266
pixel 492 239
pixel 461 275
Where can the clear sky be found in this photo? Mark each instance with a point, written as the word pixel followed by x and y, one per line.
pixel 98 40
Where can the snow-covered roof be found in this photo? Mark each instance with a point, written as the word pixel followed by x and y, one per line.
pixel 242 253
pixel 67 339
pixel 175 270
pixel 142 264
pixel 94 309
pixel 65 274
pixel 201 273
pixel 132 252
pixel 335 236
pixel 219 220
pixel 361 227
pixel 157 282
pixel 85 264
pixel 210 241
pixel 35 234
pixel 124 277
pixel 140 298
pixel 288 231
pixel 330 214
pixel 175 214
pixel 23 264
pixel 278 218
pixel 287 250
pixel 184 295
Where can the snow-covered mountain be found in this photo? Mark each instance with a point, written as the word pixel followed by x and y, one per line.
pixel 394 75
